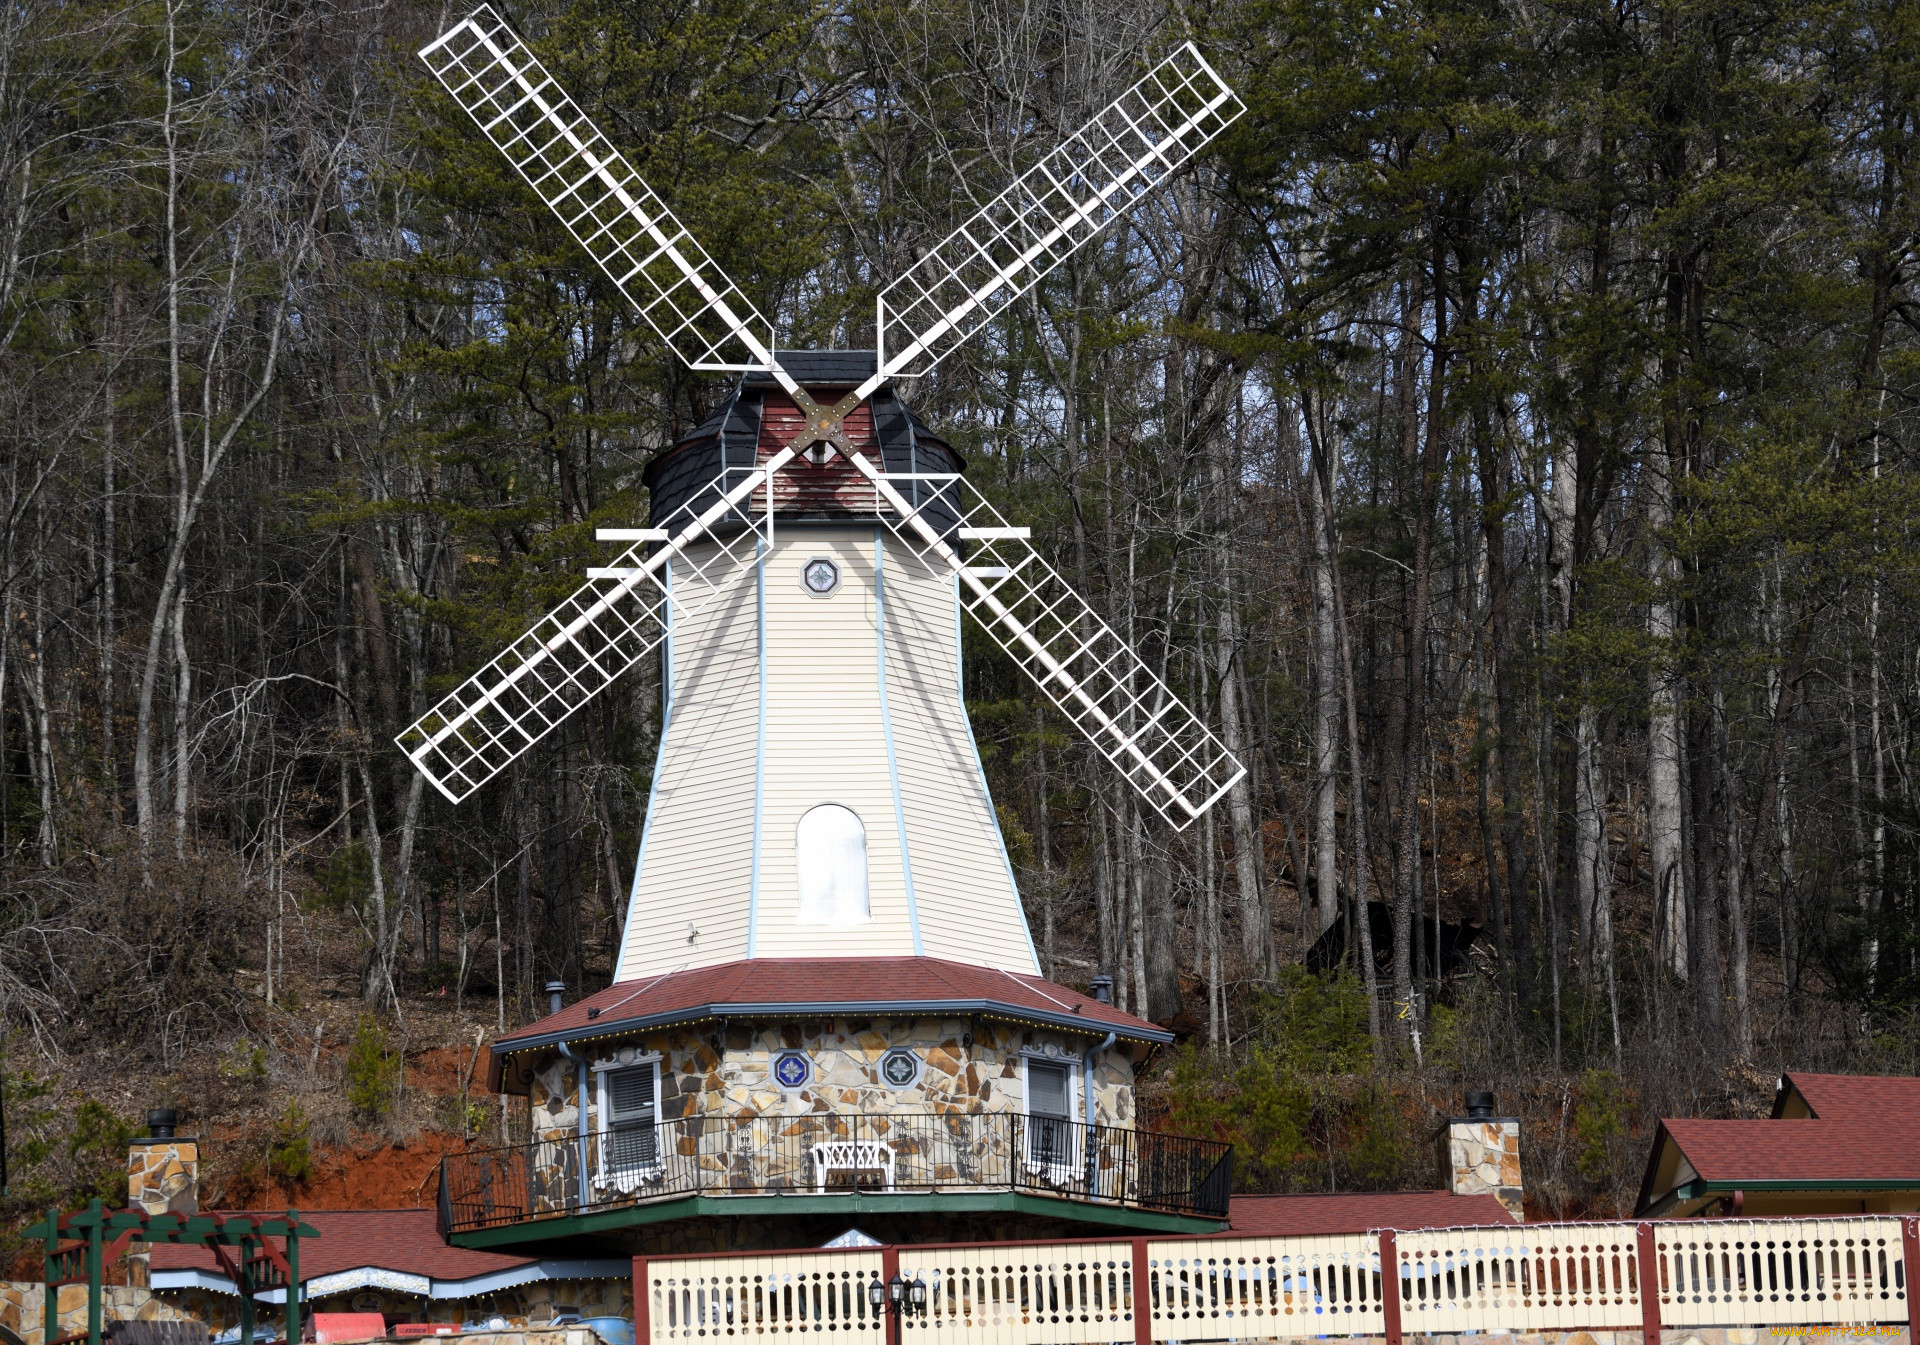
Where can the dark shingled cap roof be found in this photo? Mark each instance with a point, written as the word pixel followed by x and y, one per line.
pixel 822 368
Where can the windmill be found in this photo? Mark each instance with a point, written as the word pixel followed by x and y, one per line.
pixel 835 458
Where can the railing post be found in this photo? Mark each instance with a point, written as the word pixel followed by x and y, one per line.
pixel 1649 1259
pixel 1390 1285
pixel 1143 1295
pixel 889 1311
pixel 642 1303
pixel 1910 1248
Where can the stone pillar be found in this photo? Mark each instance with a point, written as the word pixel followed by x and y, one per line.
pixel 1483 1155
pixel 163 1177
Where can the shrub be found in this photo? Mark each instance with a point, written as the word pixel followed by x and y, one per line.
pixel 372 1070
pixel 1599 1124
pixel 1260 1109
pixel 97 1153
pixel 346 878
pixel 290 1147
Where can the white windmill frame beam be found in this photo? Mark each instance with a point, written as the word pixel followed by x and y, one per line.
pixel 487 722
pixel 602 201
pixel 1071 194
pixel 1170 755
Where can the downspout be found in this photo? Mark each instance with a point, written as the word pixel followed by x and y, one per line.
pixel 1086 1082
pixel 1102 987
pixel 554 990
pixel 581 1089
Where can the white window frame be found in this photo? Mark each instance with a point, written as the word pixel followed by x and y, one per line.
pixel 603 1122
pixel 1056 1170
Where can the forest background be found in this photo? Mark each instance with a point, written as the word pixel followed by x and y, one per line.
pixel 1506 437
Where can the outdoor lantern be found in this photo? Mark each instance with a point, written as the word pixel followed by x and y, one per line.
pixel 876 1294
pixel 918 1289
pixel 896 1291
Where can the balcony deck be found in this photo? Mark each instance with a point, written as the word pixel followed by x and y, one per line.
pixel 827 1155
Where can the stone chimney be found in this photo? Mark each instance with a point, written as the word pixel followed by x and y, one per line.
pixel 163 1177
pixel 1483 1154
pixel 163 1173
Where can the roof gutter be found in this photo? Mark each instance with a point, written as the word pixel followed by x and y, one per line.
pixel 1704 1187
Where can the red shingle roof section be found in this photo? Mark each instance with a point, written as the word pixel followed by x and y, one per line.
pixel 841 985
pixel 1799 1151
pixel 407 1241
pixel 1301 1216
pixel 1875 1099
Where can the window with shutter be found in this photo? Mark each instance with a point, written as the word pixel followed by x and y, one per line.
pixel 1049 1113
pixel 633 1143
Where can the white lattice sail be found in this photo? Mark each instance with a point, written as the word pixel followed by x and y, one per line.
pixel 629 231
pixel 618 617
pixel 1125 709
pixel 1054 207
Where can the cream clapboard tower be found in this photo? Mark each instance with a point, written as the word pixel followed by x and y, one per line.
pixel 827 677
pixel 827 997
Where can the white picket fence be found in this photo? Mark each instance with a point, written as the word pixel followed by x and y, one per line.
pixel 1516 1278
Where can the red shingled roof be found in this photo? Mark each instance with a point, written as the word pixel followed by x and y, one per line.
pixel 1864 1129
pixel 824 985
pixel 407 1241
pixel 1299 1216
pixel 1877 1099
pixel 1798 1151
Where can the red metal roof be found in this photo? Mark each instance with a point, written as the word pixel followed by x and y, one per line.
pixel 407 1241
pixel 815 986
pixel 1299 1216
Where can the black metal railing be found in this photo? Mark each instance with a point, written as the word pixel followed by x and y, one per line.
pixel 833 1152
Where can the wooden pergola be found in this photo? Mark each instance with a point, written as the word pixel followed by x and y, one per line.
pixel 80 1246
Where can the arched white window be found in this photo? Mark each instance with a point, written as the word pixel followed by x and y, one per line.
pixel 830 847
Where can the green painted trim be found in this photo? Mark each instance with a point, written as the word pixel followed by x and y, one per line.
pixel 1703 1187
pixel 853 1202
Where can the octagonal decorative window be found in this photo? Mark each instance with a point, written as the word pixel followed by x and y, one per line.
pixel 899 1068
pixel 820 577
pixel 792 1070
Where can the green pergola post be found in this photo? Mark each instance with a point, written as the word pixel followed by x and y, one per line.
pixel 52 1327
pixel 96 1235
pixel 243 1281
pixel 293 1278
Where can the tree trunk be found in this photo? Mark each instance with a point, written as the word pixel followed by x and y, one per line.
pixel 1326 713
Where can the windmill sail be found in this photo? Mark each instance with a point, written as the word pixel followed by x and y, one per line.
pixel 1079 188
pixel 1125 709
pixel 643 248
pixel 603 629
pixel 622 613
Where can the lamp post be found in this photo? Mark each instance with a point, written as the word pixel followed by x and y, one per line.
pixel 898 1297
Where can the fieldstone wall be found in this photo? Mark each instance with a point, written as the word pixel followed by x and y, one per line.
pixel 966 1066
pixel 1483 1158
pixel 23 1308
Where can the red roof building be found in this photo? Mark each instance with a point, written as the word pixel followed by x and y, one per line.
pixel 1835 1144
pixel 1307 1215
pixel 399 1250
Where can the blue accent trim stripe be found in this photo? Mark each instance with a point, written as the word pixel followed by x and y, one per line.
pixel 659 758
pixel 886 728
pixel 999 838
pixel 760 739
